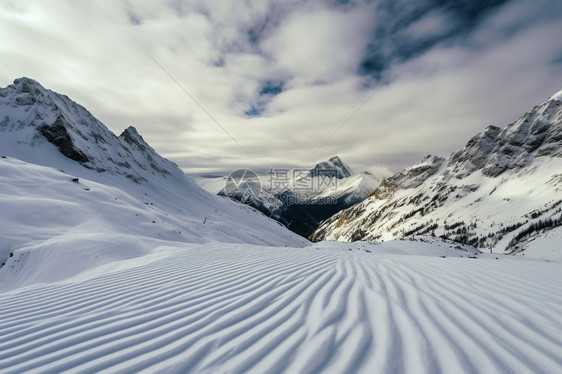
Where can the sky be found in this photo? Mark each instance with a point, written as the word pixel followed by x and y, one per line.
pixel 219 85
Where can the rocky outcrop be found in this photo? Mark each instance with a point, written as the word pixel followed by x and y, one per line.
pixel 57 134
pixel 494 151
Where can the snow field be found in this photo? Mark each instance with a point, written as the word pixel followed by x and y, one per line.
pixel 325 308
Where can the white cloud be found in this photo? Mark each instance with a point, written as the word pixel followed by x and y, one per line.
pixel 321 46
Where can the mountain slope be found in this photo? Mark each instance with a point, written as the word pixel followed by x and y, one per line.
pixel 501 192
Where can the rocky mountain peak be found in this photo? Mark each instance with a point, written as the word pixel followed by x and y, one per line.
pixel 463 199
pixel 494 151
pixel 25 84
pixel 335 164
pixel 415 175
pixel 475 153
pixel 537 133
pixel 24 91
pixel 132 136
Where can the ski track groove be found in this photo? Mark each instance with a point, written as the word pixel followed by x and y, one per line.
pixel 287 310
pixel 514 331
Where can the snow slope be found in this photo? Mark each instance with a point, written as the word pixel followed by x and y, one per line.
pixel 49 217
pixel 556 96
pixel 397 307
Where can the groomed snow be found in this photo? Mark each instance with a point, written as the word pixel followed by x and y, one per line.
pixel 358 308
pixel 99 280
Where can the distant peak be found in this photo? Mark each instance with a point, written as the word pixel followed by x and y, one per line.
pixel 556 96
pixel 132 136
pixel 336 164
pixel 131 131
pixel 26 80
pixel 24 91
pixel 429 160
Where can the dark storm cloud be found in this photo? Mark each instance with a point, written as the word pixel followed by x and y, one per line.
pixel 557 60
pixel 267 91
pixel 406 29
pixel 270 88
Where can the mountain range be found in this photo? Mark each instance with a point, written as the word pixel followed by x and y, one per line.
pixel 502 192
pixel 301 198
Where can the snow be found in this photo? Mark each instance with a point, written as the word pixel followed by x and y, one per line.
pixel 49 219
pixel 94 285
pixel 556 96
pixel 330 307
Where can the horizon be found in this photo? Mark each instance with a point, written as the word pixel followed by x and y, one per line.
pixel 218 87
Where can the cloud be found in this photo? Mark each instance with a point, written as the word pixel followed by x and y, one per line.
pixel 282 77
pixel 320 46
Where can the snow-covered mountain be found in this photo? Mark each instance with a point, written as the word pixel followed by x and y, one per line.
pixel 301 199
pixel 47 141
pixel 502 192
pixel 114 262
pixel 32 116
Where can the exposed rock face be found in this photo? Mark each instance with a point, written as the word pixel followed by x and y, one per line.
pixel 414 176
pixel 466 197
pixel 494 151
pixel 132 137
pixel 57 134
pixel 475 154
